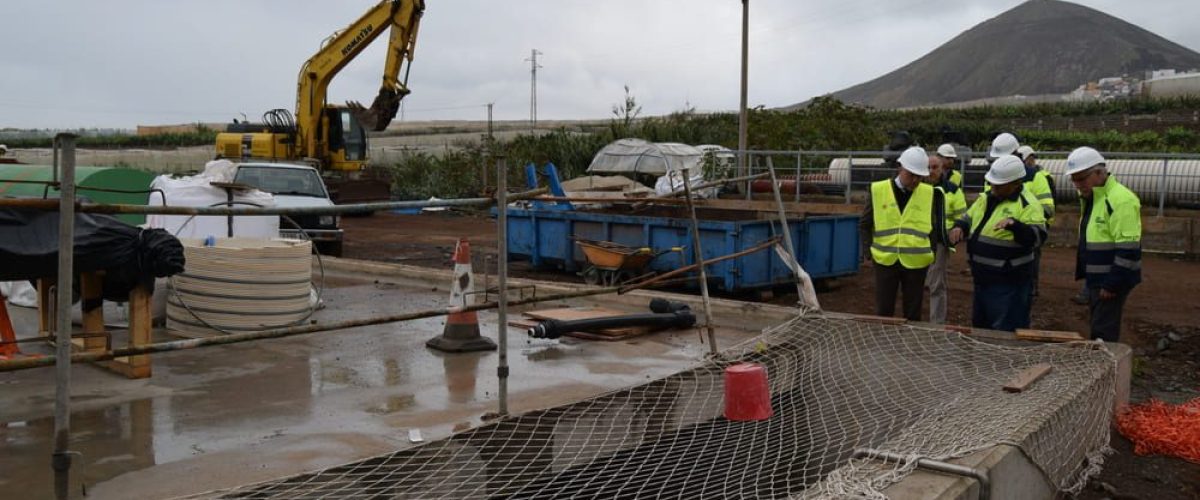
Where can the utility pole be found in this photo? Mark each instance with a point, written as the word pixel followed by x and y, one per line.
pixel 489 147
pixel 743 118
pixel 533 67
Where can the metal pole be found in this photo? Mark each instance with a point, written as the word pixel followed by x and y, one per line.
pixel 54 164
pixel 502 275
pixel 490 144
pixel 102 208
pixel 1162 189
pixel 985 483
pixel 849 176
pixel 799 171
pixel 743 112
pixel 60 461
pixel 787 234
pixel 699 253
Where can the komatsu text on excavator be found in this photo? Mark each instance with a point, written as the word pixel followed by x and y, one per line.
pixel 329 136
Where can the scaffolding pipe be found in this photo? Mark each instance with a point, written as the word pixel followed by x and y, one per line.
pixel 236 338
pixel 103 208
pixel 787 233
pixel 60 460
pixel 502 276
pixel 985 483
pixel 712 336
pixel 718 182
pixel 666 277
pixel 182 345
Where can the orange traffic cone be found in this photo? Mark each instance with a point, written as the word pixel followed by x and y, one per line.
pixel 8 338
pixel 462 328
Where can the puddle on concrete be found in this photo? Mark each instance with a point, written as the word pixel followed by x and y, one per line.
pixel 374 382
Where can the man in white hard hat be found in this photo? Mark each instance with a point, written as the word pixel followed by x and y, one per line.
pixel 902 220
pixel 1109 255
pixel 956 206
pixel 1041 186
pixel 1003 145
pixel 948 155
pixel 1002 229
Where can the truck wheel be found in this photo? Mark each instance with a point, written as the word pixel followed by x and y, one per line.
pixel 330 248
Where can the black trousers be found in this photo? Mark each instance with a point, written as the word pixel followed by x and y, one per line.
pixel 1106 315
pixel 911 284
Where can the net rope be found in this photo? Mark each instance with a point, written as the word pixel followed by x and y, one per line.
pixel 837 385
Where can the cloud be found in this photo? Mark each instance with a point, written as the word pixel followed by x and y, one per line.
pixel 125 62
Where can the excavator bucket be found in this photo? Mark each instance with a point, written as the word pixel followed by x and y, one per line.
pixel 377 117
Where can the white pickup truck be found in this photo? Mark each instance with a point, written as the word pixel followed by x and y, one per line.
pixel 297 186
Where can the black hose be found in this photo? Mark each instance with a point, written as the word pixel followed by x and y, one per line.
pixel 672 315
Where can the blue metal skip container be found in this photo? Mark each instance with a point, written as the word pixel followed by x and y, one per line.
pixel 828 246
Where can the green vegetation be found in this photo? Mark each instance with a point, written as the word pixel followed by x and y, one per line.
pixel 827 124
pixel 201 137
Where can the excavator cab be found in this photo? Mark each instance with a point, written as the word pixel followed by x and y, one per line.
pixel 346 139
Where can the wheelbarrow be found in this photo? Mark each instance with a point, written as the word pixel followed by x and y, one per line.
pixel 612 263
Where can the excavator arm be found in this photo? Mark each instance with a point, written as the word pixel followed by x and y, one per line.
pixel 383 109
pixel 402 17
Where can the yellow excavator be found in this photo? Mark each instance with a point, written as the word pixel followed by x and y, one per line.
pixel 332 137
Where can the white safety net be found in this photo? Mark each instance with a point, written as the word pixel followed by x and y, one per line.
pixel 837 386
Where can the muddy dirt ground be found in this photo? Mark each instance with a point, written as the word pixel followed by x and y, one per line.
pixel 1162 321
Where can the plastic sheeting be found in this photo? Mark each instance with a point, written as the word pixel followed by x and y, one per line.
pixel 198 191
pixel 128 255
pixel 626 156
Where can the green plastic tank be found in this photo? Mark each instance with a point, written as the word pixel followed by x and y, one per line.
pixel 90 182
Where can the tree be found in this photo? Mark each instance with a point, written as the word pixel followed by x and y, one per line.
pixel 624 114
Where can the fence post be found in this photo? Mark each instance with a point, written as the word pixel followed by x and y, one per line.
pixel 1162 189
pixel 61 459
pixel 849 175
pixel 799 169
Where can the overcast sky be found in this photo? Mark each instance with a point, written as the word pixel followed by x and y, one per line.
pixel 119 63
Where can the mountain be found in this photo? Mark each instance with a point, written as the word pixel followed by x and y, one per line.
pixel 1038 47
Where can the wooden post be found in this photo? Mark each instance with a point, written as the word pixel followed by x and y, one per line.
pixel 92 303
pixel 45 309
pixel 139 333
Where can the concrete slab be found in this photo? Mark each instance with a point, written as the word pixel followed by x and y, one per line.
pixel 230 415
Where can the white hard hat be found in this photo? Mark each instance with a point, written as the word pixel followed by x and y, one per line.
pixel 1004 144
pixel 3 147
pixel 1082 159
pixel 915 160
pixel 1006 169
pixel 1024 151
pixel 947 151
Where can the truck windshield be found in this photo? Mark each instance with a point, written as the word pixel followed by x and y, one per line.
pixel 282 181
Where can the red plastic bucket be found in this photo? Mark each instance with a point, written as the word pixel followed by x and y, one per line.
pixel 747 396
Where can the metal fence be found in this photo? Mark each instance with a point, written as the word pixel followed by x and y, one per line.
pixel 1161 180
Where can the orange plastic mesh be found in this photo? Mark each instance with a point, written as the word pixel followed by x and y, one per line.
pixel 1161 428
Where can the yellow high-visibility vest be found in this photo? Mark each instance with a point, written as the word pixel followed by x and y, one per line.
pixel 902 237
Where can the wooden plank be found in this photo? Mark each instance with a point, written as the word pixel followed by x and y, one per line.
pixel 574 313
pixel 887 320
pixel 523 323
pixel 1048 335
pixel 1027 377
pixel 604 334
pixel 604 337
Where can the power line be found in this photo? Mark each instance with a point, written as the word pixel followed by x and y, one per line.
pixel 533 67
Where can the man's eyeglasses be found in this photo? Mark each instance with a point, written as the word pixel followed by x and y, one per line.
pixel 1079 177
